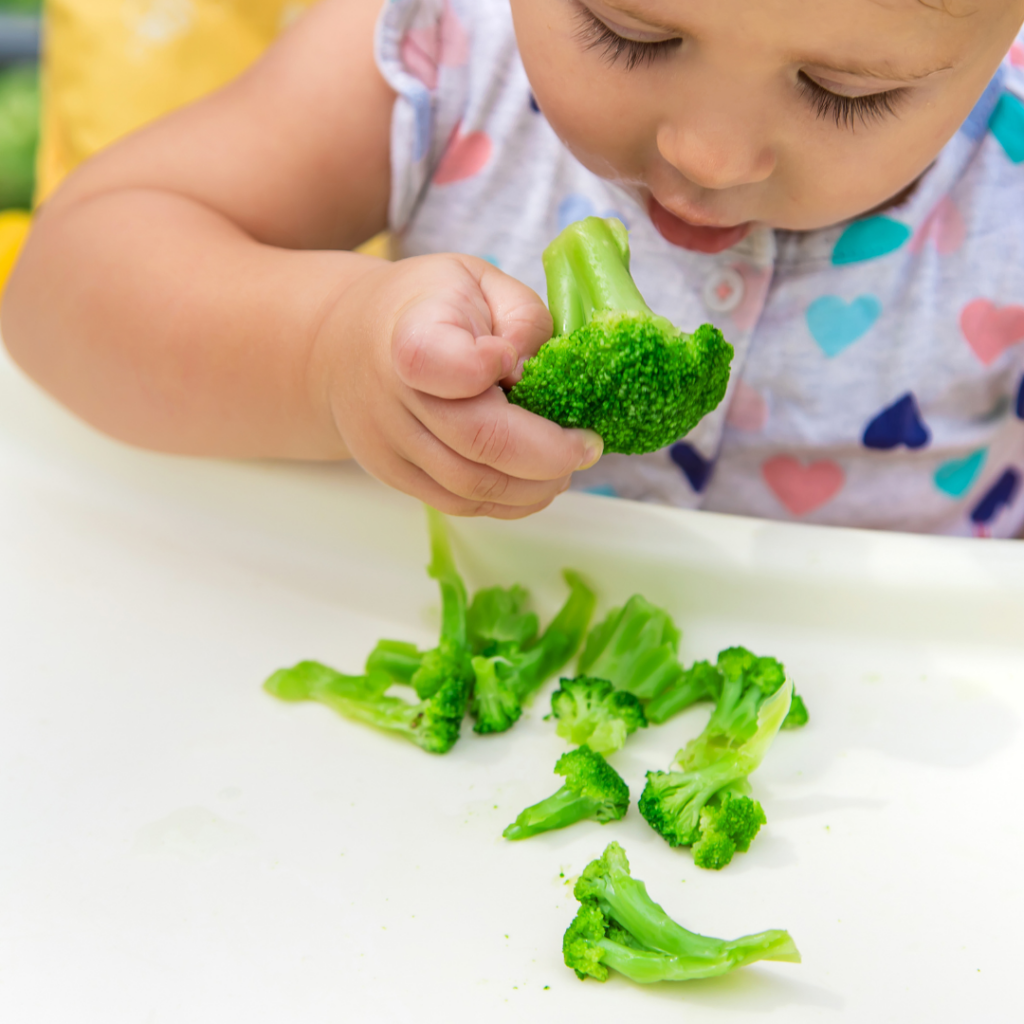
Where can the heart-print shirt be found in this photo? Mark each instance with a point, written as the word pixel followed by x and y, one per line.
pixel 879 371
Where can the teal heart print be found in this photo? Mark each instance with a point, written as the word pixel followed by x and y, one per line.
pixel 835 324
pixel 869 239
pixel 1007 125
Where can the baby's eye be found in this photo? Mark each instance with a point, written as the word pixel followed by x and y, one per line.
pixel 596 35
pixel 846 111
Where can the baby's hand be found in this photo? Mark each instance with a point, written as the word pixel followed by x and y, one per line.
pixel 416 352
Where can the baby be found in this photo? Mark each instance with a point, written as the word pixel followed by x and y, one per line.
pixel 837 184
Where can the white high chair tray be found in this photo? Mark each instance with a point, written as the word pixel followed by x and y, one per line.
pixel 177 846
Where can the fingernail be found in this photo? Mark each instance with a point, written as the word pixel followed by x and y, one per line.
pixel 509 359
pixel 593 450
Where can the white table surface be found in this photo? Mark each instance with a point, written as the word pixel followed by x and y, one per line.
pixel 176 846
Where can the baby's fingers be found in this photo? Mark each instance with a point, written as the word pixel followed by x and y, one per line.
pixel 449 353
pixel 490 431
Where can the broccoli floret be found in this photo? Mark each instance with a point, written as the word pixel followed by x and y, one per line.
pixel 613 366
pixel 432 724
pixel 495 705
pixel 747 681
pixel 619 926
pixel 701 681
pixel 635 649
pixel 593 789
pixel 674 803
pixel 592 711
pixel 497 616
pixel 750 681
pixel 507 676
pixel 395 658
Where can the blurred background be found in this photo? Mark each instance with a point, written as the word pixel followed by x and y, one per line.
pixel 75 75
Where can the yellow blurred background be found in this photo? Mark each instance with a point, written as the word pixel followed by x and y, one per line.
pixel 110 66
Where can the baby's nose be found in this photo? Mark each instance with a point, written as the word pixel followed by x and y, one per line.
pixel 715 152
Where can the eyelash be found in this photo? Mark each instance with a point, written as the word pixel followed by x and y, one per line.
pixel 846 111
pixel 596 35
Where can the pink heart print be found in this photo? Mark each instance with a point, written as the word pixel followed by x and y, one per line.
pixel 466 156
pixel 991 330
pixel 425 50
pixel 944 227
pixel 803 488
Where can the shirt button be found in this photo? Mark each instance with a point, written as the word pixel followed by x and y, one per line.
pixel 724 290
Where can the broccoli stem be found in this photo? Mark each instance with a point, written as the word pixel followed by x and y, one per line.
pixel 560 641
pixel 398 659
pixel 587 269
pixel 646 966
pixel 559 810
pixel 454 601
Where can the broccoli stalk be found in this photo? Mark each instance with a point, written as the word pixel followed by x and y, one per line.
pixel 704 805
pixel 635 649
pixel 593 789
pixel 613 366
pixel 619 926
pixel 432 724
pixel 593 712
pixel 451 658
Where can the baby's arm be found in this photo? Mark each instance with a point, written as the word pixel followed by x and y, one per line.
pixel 188 290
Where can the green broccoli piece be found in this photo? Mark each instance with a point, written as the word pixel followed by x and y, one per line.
pixel 619 926
pixel 451 658
pixel 593 789
pixel 497 616
pixel 704 805
pixel 746 682
pixel 593 712
pixel 495 704
pixel 634 648
pixel 508 676
pixel 701 681
pixel 613 366
pixel 432 724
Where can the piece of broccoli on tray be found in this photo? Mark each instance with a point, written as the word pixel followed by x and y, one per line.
pixel 635 648
pixel 593 789
pixel 432 724
pixel 592 711
pixel 705 805
pixel 619 926
pixel 613 366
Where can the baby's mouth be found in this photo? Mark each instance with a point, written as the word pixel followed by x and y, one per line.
pixel 697 237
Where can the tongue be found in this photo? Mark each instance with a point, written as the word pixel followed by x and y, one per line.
pixel 692 236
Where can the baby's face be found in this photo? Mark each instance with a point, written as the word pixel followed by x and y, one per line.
pixel 793 113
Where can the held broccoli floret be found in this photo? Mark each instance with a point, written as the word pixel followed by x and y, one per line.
pixel 635 649
pixel 613 366
pixel 704 806
pixel 507 676
pixel 593 789
pixel 593 712
pixel 432 724
pixel 701 681
pixel 619 926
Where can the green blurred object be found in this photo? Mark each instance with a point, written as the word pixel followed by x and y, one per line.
pixel 22 6
pixel 19 134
